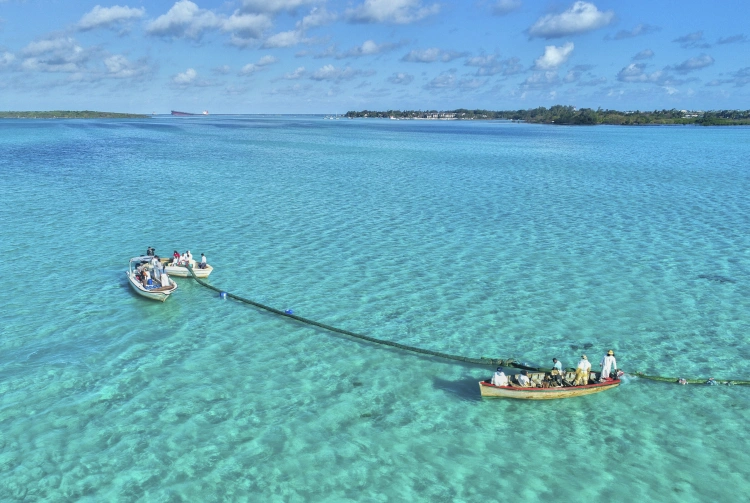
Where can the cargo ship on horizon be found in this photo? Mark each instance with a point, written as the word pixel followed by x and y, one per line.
pixel 187 114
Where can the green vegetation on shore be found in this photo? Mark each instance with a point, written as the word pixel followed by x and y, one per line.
pixel 560 114
pixel 68 114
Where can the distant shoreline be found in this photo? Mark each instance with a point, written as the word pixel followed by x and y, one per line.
pixel 68 114
pixel 568 115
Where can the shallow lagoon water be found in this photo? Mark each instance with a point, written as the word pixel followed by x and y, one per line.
pixel 473 238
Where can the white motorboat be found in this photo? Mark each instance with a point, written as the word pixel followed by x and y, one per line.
pixel 156 290
pixel 182 271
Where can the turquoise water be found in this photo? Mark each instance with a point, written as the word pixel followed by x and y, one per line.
pixel 474 238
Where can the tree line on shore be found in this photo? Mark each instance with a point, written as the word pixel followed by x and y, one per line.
pixel 561 114
pixel 69 114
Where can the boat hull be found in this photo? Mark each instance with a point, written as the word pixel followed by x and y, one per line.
pixel 489 390
pixel 160 294
pixel 182 272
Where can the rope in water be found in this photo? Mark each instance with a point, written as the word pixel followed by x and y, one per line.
pixel 503 362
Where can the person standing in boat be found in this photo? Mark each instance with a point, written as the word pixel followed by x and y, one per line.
pixel 499 378
pixel 557 371
pixel 164 279
pixel 608 363
pixel 582 372
pixel 155 266
pixel 150 251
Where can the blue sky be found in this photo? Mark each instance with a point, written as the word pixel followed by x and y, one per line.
pixel 330 56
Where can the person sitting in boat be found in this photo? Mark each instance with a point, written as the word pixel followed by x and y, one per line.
pixel 203 263
pixel 523 379
pixel 607 364
pixel 582 372
pixel 175 257
pixel 146 278
pixel 499 378
pixel 164 279
pixel 189 257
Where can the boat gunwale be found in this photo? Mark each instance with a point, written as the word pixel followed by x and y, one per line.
pixel 556 389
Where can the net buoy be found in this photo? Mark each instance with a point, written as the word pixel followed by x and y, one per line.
pixel 223 295
pixel 288 311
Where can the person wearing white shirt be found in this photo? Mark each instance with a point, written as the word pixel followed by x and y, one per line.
pixel 557 371
pixel 608 363
pixel 499 378
pixel 203 263
pixel 523 379
pixel 164 279
pixel 582 372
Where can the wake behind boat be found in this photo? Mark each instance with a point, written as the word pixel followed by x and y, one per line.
pixel 141 276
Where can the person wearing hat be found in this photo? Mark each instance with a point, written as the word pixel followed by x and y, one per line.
pixel 608 363
pixel 499 378
pixel 582 372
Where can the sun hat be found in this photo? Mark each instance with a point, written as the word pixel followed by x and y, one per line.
pixel 610 352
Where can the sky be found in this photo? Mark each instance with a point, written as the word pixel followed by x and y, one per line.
pixel 331 56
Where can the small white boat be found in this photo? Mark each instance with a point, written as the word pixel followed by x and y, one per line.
pixel 182 271
pixel 156 291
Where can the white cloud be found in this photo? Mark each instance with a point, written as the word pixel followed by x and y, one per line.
pixel 541 80
pixel 368 48
pixel 246 26
pixel 184 19
pixel 635 72
pixel 693 64
pixel 431 55
pixel 733 39
pixel 504 7
pixel 580 18
pixel 185 78
pixel 330 72
pixel 693 40
pixel 251 68
pixel 284 39
pixel 447 81
pixel 62 54
pixel 401 78
pixel 296 74
pixel 644 54
pixel 488 65
pixel 391 11
pixel 108 16
pixel 120 67
pixel 554 56
pixel 317 17
pixel 6 58
pixel 276 5
pixel 641 29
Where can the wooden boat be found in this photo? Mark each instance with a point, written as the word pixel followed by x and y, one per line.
pixel 182 271
pixel 487 389
pixel 157 291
